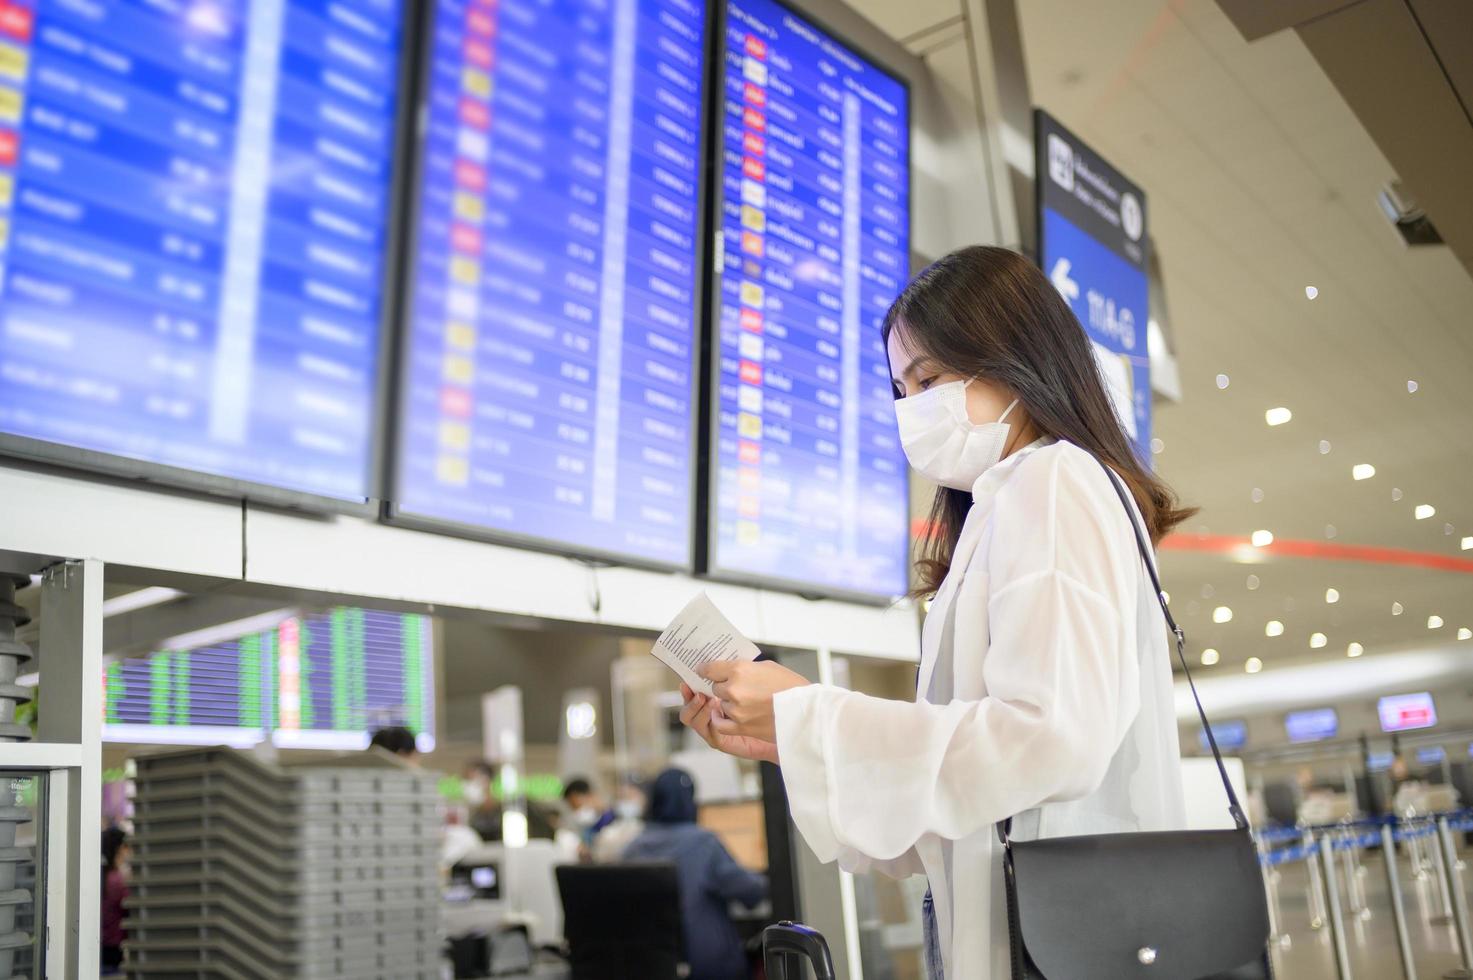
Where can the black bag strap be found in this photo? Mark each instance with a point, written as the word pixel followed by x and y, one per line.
pixel 1235 809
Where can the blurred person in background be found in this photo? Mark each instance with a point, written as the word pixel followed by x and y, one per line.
pixel 710 879
pixel 589 812
pixel 483 809
pixel 115 853
pixel 399 741
pixel 629 806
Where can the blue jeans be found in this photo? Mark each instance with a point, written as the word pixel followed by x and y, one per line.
pixel 933 942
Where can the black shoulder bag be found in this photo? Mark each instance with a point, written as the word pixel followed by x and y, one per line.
pixel 1173 905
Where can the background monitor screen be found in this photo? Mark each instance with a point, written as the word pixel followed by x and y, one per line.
pixel 1379 761
pixel 1431 755
pixel 322 680
pixel 808 482
pixel 1230 736
pixel 1406 712
pixel 1314 725
pixel 548 371
pixel 194 208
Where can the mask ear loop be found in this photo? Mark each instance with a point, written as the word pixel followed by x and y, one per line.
pixel 1012 405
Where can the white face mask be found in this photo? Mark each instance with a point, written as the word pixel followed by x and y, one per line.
pixel 942 443
pixel 629 809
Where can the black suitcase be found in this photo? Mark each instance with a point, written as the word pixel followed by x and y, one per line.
pixel 788 945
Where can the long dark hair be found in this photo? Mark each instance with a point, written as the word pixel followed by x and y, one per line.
pixel 990 313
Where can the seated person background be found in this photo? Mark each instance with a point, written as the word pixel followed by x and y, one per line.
pixel 589 813
pixel 710 879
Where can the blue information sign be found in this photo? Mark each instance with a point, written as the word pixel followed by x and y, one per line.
pixel 1092 246
pixel 808 483
pixel 1312 725
pixel 548 370
pixel 194 202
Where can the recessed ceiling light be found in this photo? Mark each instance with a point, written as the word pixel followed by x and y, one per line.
pixel 1448 529
pixel 1354 650
pixel 1262 538
pixel 1395 494
pixel 1324 447
pixel 1317 640
pixel 1467 543
pixel 1332 595
pixel 1257 495
pixel 1424 511
pixel 1464 633
pixel 1362 471
pixel 1434 622
pixel 1411 387
pixel 1396 609
pixel 1310 292
pixel 1158 447
pixel 1253 666
pixel 1330 531
pixel 1277 416
pixel 1222 614
pixel 1222 381
pixel 1252 583
pixel 1209 657
pixel 1273 628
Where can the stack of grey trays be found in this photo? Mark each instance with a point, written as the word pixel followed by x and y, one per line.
pixel 17 864
pixel 248 870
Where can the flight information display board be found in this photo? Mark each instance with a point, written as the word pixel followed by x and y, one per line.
pixel 194 208
pixel 317 680
pixel 549 364
pixel 808 481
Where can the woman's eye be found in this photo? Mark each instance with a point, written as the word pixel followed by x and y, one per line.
pixel 927 382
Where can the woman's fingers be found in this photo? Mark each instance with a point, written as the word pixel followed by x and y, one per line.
pixel 692 707
pixel 685 692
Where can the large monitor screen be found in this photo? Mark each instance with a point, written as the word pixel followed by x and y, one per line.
pixel 1314 725
pixel 1406 712
pixel 808 482
pixel 548 373
pixel 194 209
pixel 304 680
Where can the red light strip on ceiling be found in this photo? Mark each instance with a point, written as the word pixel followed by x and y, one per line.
pixel 1318 550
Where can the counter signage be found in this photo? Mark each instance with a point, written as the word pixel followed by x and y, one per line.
pixel 1092 246
pixel 1406 712
pixel 1314 725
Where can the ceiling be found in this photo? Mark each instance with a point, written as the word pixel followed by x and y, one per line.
pixel 1261 182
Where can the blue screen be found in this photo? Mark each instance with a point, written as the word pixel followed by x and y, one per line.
pixel 549 366
pixel 193 210
pixel 809 482
pixel 1230 736
pixel 1431 755
pixel 1314 725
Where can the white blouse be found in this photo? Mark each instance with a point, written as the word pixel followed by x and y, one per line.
pixel 1045 695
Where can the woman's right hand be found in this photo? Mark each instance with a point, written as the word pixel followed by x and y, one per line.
pixel 697 715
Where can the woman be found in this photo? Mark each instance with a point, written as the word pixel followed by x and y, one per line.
pixel 115 851
pixel 1045 691
pixel 709 879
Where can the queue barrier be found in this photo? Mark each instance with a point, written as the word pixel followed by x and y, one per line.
pixel 1428 840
